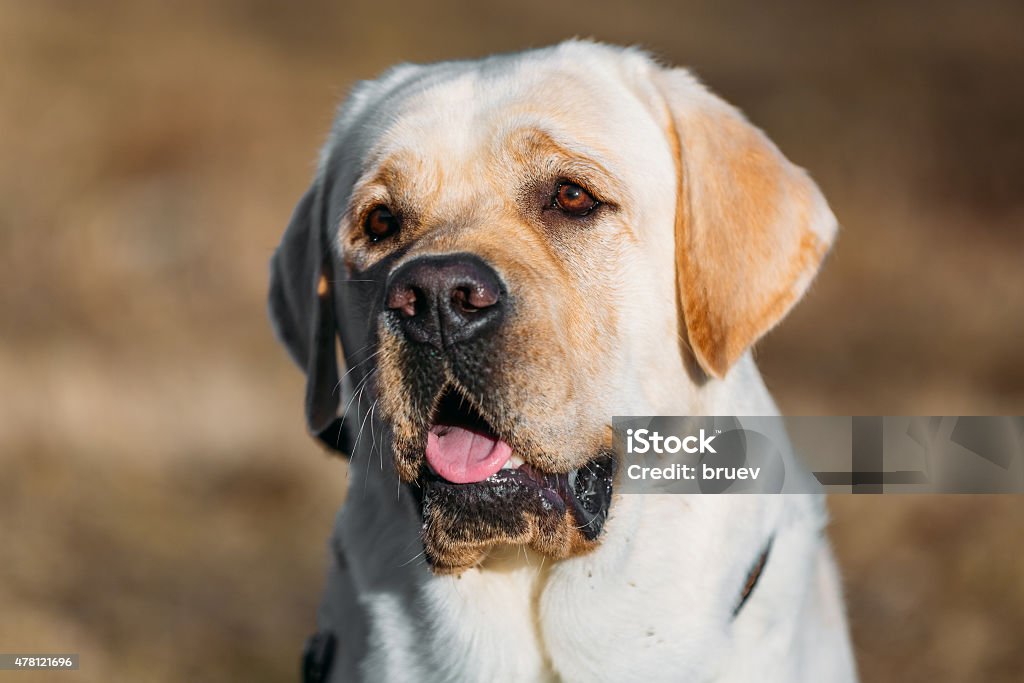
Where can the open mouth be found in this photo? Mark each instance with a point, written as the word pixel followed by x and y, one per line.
pixel 465 453
pixel 462 448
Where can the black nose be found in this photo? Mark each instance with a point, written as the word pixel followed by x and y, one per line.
pixel 445 300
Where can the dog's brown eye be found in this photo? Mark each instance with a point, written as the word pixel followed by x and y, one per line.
pixel 573 199
pixel 380 224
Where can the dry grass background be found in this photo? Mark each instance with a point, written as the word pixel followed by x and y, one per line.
pixel 162 512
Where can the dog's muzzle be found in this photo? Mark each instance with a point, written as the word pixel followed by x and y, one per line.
pixel 457 442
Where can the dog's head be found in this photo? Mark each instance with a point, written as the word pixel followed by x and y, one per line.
pixel 512 250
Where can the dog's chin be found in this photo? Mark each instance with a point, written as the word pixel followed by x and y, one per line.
pixel 511 502
pixel 556 514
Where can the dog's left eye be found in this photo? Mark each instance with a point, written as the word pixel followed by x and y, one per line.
pixel 380 224
pixel 573 199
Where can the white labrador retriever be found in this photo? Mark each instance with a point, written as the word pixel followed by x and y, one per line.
pixel 511 251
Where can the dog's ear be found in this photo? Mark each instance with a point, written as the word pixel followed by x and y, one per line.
pixel 301 307
pixel 751 228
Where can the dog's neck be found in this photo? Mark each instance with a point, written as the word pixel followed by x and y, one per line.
pixel 741 392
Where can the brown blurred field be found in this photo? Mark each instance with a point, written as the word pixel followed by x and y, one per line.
pixel 162 511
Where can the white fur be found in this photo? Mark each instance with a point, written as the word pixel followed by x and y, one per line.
pixel 653 602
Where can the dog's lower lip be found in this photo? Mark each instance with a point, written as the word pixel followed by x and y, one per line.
pixel 585 491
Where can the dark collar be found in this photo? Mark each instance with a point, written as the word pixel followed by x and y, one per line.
pixel 753 577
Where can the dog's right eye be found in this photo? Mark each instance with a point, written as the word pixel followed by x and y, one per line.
pixel 380 224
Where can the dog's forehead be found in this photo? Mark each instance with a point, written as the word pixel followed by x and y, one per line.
pixel 584 96
pixel 570 95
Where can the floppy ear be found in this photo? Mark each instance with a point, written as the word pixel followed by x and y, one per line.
pixel 301 307
pixel 751 227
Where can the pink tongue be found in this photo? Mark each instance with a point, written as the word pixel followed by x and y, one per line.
pixel 463 456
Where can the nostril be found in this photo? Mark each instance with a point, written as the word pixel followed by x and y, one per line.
pixel 471 298
pixel 403 300
pixel 460 297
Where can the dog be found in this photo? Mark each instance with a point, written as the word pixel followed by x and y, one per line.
pixel 510 251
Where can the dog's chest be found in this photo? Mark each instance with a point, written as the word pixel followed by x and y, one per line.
pixel 525 619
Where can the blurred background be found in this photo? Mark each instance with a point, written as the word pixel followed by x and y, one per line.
pixel 162 511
